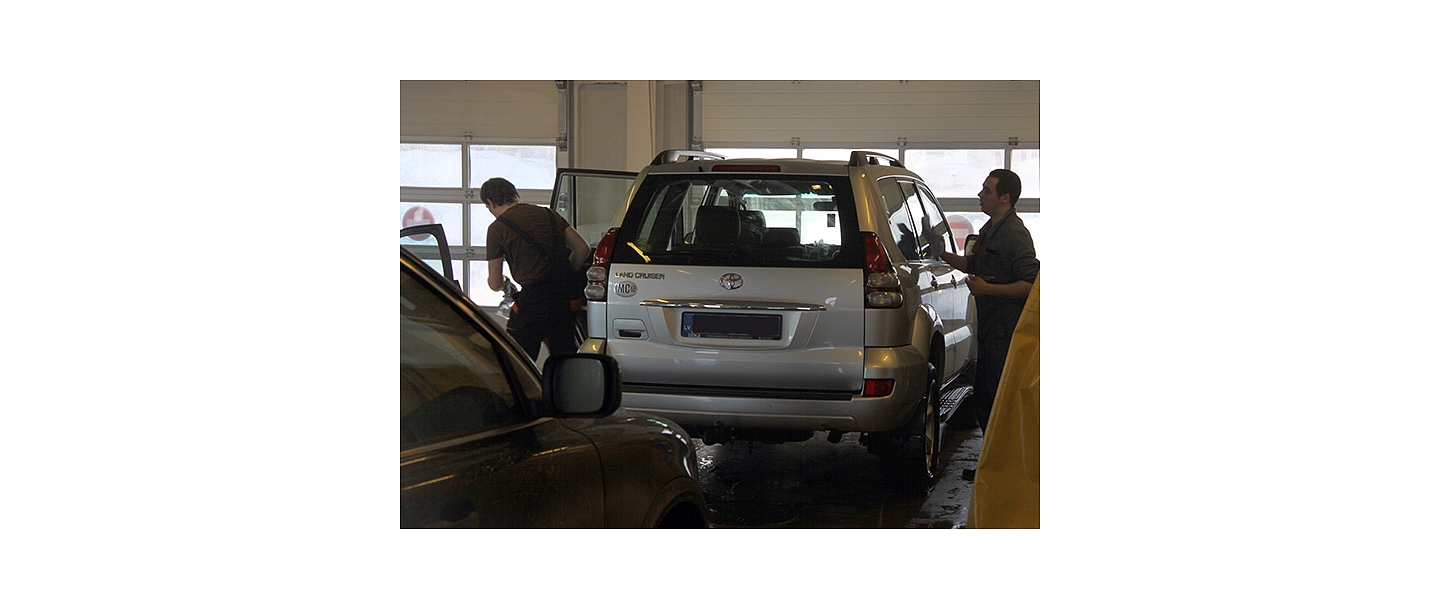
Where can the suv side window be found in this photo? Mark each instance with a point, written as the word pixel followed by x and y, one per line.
pixel 452 380
pixel 935 224
pixel 901 225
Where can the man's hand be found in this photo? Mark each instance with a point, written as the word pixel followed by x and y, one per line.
pixel 982 287
pixel 978 285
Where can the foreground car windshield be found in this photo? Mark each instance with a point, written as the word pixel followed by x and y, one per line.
pixel 740 220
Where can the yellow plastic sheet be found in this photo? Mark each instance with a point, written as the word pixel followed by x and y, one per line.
pixel 1007 474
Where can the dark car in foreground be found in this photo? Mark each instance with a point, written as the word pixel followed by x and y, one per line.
pixel 486 440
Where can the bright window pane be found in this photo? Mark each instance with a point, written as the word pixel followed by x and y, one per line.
pixel 527 167
pixel 1026 163
pixel 754 153
pixel 965 223
pixel 955 173
pixel 977 220
pixel 480 291
pixel 445 214
pixel 430 165
pixel 480 219
pixel 843 154
pixel 1032 222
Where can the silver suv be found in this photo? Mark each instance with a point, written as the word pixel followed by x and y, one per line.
pixel 767 299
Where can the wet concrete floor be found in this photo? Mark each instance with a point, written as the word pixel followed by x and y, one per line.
pixel 817 484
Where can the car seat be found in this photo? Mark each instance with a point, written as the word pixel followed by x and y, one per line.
pixel 716 225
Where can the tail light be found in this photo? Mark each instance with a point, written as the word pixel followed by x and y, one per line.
pixel 882 286
pixel 599 271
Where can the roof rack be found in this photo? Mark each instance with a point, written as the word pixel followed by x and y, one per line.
pixel 866 157
pixel 674 155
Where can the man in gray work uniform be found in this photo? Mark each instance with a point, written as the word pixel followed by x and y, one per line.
pixel 1002 267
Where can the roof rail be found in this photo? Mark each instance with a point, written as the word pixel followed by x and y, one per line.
pixel 867 157
pixel 671 156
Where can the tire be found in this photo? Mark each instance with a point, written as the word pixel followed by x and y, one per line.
pixel 931 436
pixel 915 465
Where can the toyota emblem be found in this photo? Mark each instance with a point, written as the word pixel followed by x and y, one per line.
pixel 731 281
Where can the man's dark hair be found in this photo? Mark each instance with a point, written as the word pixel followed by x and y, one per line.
pixel 1007 182
pixel 499 191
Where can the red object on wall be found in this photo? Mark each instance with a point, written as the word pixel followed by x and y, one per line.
pixel 417 216
pixel 959 226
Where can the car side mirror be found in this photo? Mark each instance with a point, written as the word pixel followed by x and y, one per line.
pixel 581 385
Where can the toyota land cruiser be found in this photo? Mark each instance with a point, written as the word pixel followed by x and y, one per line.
pixel 768 299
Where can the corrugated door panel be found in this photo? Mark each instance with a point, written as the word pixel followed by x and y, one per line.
pixel 739 113
pixel 507 110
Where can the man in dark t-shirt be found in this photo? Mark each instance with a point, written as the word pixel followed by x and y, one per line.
pixel 1002 268
pixel 543 251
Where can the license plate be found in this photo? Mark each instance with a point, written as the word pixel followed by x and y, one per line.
pixel 730 326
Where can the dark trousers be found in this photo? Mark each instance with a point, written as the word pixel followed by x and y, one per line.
pixel 989 363
pixel 546 318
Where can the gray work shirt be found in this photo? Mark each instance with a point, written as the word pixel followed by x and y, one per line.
pixel 1005 253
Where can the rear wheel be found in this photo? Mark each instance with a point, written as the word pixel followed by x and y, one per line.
pixel 915 463
pixel 932 428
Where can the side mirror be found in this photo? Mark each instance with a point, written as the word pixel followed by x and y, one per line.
pixel 581 385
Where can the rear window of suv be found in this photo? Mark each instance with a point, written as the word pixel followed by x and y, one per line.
pixel 732 219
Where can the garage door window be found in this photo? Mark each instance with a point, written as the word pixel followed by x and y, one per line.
pixel 843 154
pixel 954 173
pixel 447 215
pixel 440 183
pixel 433 165
pixel 527 167
pixel 1026 163
pixel 755 153
pixel 955 176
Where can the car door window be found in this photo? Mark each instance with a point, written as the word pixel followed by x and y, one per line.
pixel 428 242
pixel 588 199
pixel 927 242
pixel 452 379
pixel 902 227
pixel 935 224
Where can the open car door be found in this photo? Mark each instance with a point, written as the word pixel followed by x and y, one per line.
pixel 428 243
pixel 588 199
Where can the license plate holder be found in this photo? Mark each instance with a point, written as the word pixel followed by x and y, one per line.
pixel 761 327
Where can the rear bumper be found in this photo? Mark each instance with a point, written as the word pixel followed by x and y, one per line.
pixel 743 407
